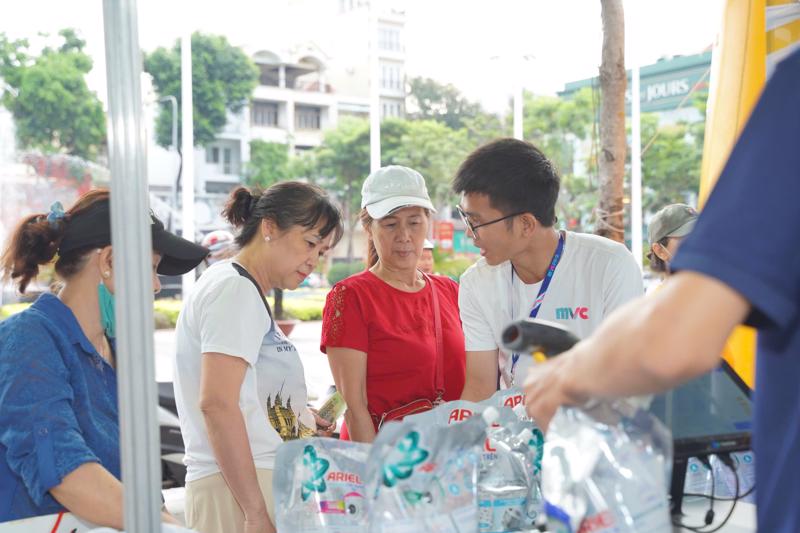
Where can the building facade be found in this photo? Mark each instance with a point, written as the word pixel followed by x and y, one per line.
pixel 665 87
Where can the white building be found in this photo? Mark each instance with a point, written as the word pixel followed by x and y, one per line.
pixel 303 89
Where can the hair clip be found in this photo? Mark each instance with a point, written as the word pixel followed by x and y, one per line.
pixel 56 214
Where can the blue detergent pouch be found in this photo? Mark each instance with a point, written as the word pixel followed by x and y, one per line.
pixel 607 469
pixel 422 476
pixel 318 486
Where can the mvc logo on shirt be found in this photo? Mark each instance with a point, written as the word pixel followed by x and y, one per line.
pixel 568 313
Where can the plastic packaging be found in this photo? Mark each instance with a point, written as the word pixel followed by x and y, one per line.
pixel 509 493
pixel 509 477
pixel 423 476
pixel 318 486
pixel 607 470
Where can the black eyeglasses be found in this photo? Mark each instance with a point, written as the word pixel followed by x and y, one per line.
pixel 474 227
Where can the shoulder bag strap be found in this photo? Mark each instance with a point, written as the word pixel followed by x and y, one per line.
pixel 437 326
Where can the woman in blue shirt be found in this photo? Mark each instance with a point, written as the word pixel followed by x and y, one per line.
pixel 59 429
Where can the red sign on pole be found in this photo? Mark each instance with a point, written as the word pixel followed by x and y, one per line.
pixel 443 234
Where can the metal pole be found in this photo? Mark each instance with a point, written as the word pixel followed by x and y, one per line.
pixel 518 101
pixel 187 168
pixel 174 101
pixel 374 91
pixel 636 167
pixel 130 235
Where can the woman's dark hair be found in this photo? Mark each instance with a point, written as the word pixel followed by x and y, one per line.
pixel 372 252
pixel 35 241
pixel 287 204
pixel 656 263
pixel 515 175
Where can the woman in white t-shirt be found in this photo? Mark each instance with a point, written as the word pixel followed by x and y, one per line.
pixel 239 383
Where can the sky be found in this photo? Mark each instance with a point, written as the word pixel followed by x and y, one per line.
pixel 480 46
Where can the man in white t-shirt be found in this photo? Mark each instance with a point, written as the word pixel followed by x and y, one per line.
pixel 527 268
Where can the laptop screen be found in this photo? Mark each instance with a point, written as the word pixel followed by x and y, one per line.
pixel 709 414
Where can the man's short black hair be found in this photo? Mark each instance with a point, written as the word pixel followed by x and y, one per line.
pixel 515 175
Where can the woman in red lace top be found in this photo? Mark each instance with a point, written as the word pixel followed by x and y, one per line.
pixel 379 326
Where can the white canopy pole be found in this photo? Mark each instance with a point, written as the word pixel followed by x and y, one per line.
pixel 133 286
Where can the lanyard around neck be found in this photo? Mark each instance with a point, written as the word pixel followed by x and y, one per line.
pixel 537 303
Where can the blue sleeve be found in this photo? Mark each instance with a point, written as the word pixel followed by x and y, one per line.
pixel 38 426
pixel 748 235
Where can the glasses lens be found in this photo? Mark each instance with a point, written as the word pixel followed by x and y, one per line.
pixel 466 221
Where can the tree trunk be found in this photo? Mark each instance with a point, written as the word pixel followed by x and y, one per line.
pixel 611 163
pixel 279 313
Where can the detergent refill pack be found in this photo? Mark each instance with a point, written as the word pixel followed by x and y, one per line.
pixel 607 469
pixel 319 486
pixel 423 477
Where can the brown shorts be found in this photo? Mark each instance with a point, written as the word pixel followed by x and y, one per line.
pixel 211 508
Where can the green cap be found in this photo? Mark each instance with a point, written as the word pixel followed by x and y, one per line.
pixel 675 220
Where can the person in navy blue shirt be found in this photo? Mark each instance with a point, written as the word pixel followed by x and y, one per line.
pixel 741 264
pixel 59 429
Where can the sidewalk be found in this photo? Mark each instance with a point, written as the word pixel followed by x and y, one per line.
pixel 305 337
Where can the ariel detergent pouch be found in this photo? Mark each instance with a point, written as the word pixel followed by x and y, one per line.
pixel 423 477
pixel 509 475
pixel 607 469
pixel 318 486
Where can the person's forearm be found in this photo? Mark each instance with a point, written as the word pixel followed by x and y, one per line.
pixel 477 390
pixel 227 434
pixel 650 345
pixel 93 494
pixel 359 422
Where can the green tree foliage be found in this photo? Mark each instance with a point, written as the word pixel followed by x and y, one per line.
pixel 54 111
pixel 559 127
pixel 431 148
pixel 223 79
pixel 554 125
pixel 440 102
pixel 269 163
pixel 341 163
pixel 671 162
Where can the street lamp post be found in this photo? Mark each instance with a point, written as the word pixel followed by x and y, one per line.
pixel 174 146
pixel 518 116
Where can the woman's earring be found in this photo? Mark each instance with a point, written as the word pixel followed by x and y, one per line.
pixel 267 238
pixel 106 274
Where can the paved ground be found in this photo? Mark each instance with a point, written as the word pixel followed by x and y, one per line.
pixel 305 337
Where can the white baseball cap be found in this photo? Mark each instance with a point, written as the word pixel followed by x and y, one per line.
pixel 393 187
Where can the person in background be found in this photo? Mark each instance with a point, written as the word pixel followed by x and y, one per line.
pixel 528 268
pixel 59 426
pixel 730 270
pixel 239 383
pixel 665 232
pixel 426 261
pixel 392 333
pixel 221 244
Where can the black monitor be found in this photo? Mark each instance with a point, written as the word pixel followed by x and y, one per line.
pixel 708 415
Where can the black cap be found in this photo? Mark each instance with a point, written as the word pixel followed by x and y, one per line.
pixel 92 228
